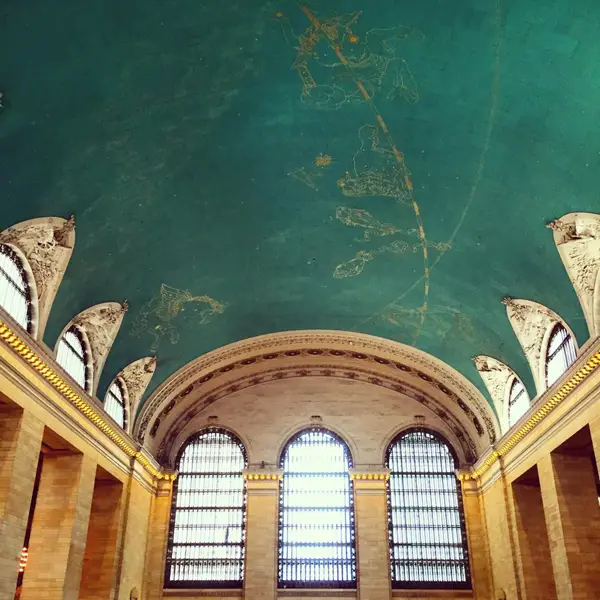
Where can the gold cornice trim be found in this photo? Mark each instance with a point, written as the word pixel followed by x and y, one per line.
pixel 588 367
pixel 369 476
pixel 15 343
pixel 263 476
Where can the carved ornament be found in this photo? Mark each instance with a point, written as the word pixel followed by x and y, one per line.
pixel 136 376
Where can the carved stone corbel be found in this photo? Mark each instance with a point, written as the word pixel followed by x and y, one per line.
pixel 532 323
pixel 497 376
pixel 577 239
pixel 136 376
pixel 101 324
pixel 47 244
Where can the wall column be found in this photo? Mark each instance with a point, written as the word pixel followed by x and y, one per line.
pixel 372 544
pixel 479 555
pixel 59 529
pixel 595 435
pixel 158 537
pixel 98 581
pixel 262 507
pixel 20 443
pixel 573 523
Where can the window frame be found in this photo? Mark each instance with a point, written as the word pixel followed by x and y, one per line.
pixel 207 585
pixel 288 584
pixel 87 355
pixel 123 389
pixel 21 264
pixel 427 585
pixel 568 341
pixel 512 383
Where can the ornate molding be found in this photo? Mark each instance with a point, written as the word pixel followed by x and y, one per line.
pixel 496 376
pixel 531 323
pixel 352 347
pixel 101 324
pixel 95 416
pixel 577 239
pixel 582 372
pixel 47 244
pixel 136 376
pixel 198 402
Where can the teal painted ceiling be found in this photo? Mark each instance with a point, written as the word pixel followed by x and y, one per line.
pixel 240 168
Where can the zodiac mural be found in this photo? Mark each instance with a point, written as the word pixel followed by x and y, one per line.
pixel 157 316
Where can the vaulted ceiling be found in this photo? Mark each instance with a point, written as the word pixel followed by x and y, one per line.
pixel 240 168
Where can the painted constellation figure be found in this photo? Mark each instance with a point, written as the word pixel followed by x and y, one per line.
pixel 358 217
pixel 157 316
pixel 327 85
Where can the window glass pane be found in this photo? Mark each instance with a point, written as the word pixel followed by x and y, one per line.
pixel 71 356
pixel 206 543
pixel 426 524
pixel 316 513
pixel 114 403
pixel 15 296
pixel 518 402
pixel 561 354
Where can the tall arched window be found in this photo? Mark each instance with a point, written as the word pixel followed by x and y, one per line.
pixel 316 513
pixel 428 547
pixel 207 530
pixel 561 353
pixel 73 356
pixel 114 402
pixel 15 293
pixel 518 401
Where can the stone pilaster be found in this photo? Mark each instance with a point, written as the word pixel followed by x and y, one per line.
pixel 158 538
pixel 372 544
pixel 20 442
pixel 479 556
pixel 572 517
pixel 262 505
pixel 59 529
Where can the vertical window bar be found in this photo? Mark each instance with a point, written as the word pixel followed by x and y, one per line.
pixel 72 356
pixel 428 547
pixel 15 294
pixel 208 515
pixel 316 513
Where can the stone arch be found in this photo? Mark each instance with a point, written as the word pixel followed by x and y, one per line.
pixel 101 324
pixel 533 323
pixel 47 245
pixel 577 239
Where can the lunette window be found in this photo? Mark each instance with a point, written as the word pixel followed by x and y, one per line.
pixel 518 401
pixel 561 354
pixel 316 513
pixel 207 528
pixel 114 402
pixel 73 357
pixel 427 536
pixel 15 294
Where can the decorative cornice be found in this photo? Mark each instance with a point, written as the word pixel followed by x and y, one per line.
pixel 369 476
pixel 263 476
pixel 17 345
pixel 570 385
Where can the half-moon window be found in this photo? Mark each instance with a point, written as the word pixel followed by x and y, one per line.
pixel 114 402
pixel 518 401
pixel 15 294
pixel 428 543
pixel 73 357
pixel 561 354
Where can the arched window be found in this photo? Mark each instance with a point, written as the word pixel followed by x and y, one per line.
pixel 428 547
pixel 72 355
pixel 518 401
pixel 207 533
pixel 561 353
pixel 316 513
pixel 15 294
pixel 114 402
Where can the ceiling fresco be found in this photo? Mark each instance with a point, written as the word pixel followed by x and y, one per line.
pixel 248 167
